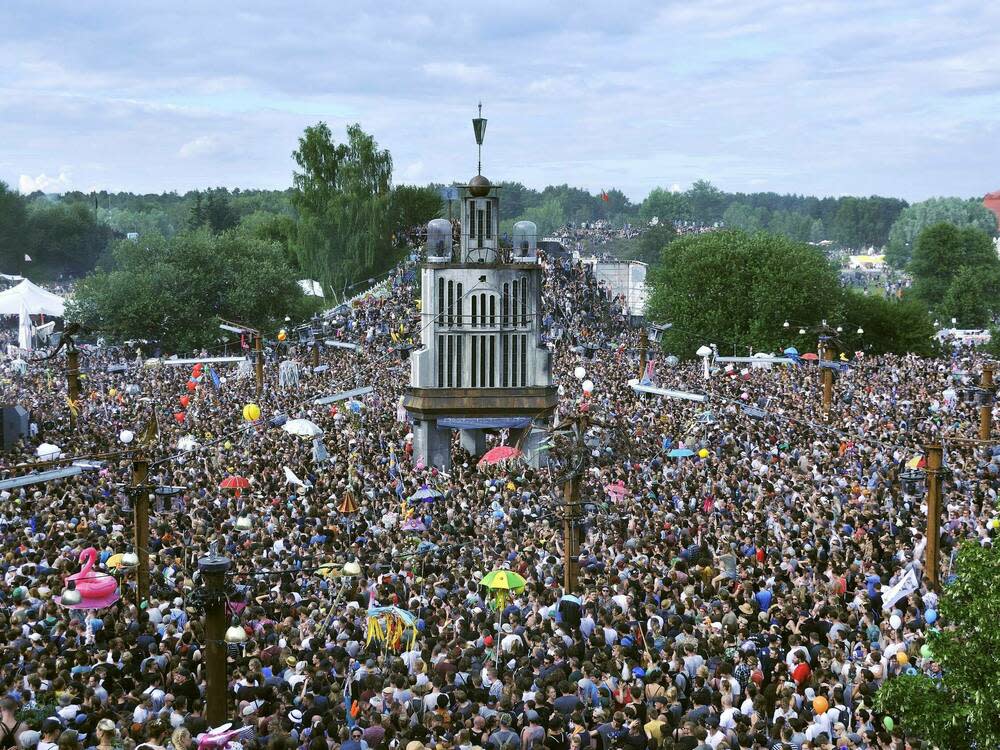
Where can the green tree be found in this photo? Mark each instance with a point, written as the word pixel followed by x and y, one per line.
pixel 665 206
pixel 973 296
pixel 169 290
pixel 548 217
pixel 343 198
pixel 707 203
pixel 413 206
pixel 896 326
pixel 197 217
pixel 730 287
pixel 962 710
pixel 63 239
pixel 742 216
pixel 219 213
pixel 653 242
pixel 915 218
pixel 13 218
pixel 941 251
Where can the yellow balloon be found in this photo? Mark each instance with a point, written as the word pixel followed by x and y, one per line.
pixel 902 658
pixel 227 445
pixel 703 453
pixel 112 391
pixel 282 335
pixel 251 412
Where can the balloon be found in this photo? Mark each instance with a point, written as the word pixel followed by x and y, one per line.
pixel 895 622
pixel 820 704
pixel 931 616
pixel 185 400
pixel 112 391
pixel 126 436
pixel 925 651
pixel 588 386
pixel 703 453
pixel 196 371
pixel 179 416
pixel 282 335
pixel 251 412
pixel 579 373
pixel 191 385
pixel 758 677
pixel 888 723
pixel 227 445
pixel 902 658
pixel 994 523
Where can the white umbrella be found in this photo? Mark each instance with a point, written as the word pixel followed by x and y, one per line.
pixel 302 428
pixel 187 443
pixel 47 451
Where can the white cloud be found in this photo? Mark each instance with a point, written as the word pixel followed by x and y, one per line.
pixel 201 146
pixel 457 71
pixel 28 184
pixel 412 172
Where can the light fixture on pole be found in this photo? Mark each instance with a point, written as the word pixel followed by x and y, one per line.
pixel 235 634
pixel 705 353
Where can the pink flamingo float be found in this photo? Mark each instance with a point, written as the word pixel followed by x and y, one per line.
pixel 96 589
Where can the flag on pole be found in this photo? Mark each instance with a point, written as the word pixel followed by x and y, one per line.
pixel 903 587
pixel 604 196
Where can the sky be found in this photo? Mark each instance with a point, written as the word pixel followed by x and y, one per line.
pixel 821 97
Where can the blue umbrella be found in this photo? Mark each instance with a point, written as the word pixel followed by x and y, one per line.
pixel 426 546
pixel 426 494
pixel 680 453
pixel 792 351
pixel 571 598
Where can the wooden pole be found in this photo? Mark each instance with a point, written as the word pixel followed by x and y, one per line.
pixel 140 511
pixel 258 363
pixel 72 381
pixel 986 412
pixel 571 514
pixel 828 352
pixel 643 352
pixel 213 570
pixel 933 469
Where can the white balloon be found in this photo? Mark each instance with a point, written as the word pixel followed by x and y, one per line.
pixel 895 622
pixel 588 386
pixel 579 373
pixel 126 436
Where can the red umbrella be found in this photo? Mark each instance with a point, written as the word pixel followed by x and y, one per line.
pixel 810 356
pixel 498 455
pixel 235 483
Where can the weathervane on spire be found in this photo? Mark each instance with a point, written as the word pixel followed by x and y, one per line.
pixel 479 127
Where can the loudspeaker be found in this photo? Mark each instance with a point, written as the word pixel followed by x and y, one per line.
pixel 15 425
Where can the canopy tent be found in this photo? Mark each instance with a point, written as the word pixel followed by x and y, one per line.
pixel 35 300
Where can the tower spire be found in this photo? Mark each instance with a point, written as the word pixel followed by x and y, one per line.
pixel 479 128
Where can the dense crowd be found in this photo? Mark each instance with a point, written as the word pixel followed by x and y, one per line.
pixel 731 599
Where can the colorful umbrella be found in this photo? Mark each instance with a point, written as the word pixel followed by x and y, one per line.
pixel 499 455
pixel 680 453
pixel 617 491
pixel 917 462
pixel 235 483
pixel 348 505
pixel 413 524
pixel 810 356
pixel 426 494
pixel 389 625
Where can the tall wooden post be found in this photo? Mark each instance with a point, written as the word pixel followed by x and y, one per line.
pixel 213 570
pixel 986 412
pixel 643 352
pixel 933 469
pixel 140 513
pixel 72 381
pixel 571 515
pixel 828 352
pixel 258 363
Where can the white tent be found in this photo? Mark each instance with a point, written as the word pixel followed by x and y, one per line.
pixel 34 298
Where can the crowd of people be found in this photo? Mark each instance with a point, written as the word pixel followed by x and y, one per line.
pixel 733 598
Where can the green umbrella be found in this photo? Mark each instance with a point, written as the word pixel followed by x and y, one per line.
pixel 503 580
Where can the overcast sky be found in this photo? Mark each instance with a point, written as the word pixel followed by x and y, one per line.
pixel 827 97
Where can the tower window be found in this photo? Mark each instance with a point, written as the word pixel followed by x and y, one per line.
pixel 524 300
pixel 451 302
pixel 460 295
pixel 472 218
pixel 440 309
pixel 489 219
pixel 524 359
pixel 479 228
pixel 441 361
